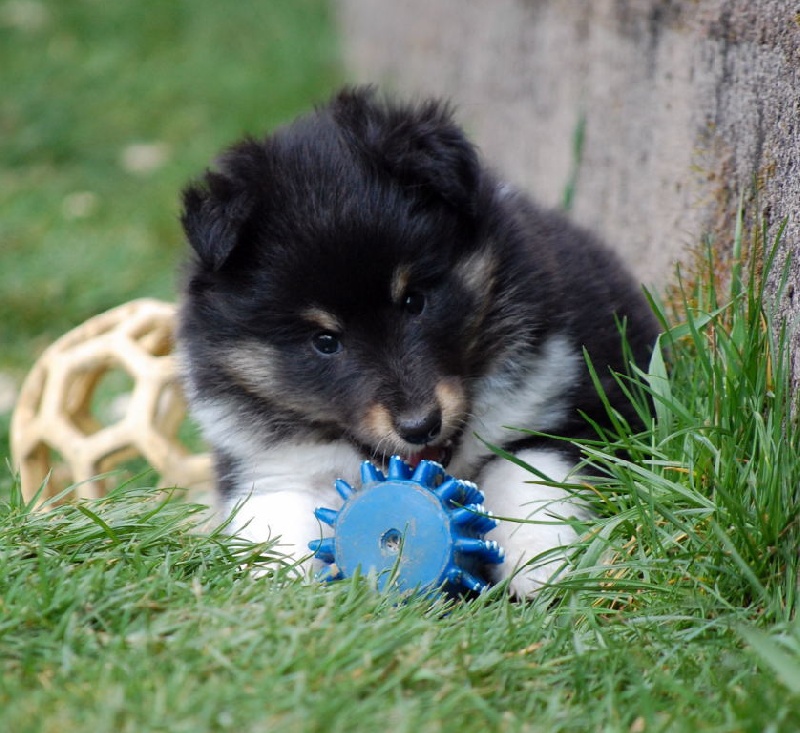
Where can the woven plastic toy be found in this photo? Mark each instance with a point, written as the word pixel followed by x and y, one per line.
pixel 415 529
pixel 58 428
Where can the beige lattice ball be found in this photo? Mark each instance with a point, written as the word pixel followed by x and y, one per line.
pixel 62 428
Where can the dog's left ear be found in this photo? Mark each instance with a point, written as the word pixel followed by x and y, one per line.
pixel 420 145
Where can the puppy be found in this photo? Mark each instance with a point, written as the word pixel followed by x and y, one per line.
pixel 361 286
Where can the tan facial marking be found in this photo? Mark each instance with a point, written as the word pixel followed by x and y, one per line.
pixel 477 271
pixel 452 400
pixel 324 320
pixel 400 281
pixel 378 423
pixel 252 366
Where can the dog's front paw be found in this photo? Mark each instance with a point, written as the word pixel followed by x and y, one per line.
pixel 537 544
pixel 285 518
pixel 535 555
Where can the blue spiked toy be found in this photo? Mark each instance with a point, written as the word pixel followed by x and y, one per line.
pixel 416 529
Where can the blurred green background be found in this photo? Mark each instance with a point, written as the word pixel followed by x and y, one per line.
pixel 106 110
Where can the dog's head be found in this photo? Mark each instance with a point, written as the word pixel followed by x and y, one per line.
pixel 343 274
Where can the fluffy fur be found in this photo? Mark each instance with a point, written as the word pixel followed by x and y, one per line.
pixel 363 286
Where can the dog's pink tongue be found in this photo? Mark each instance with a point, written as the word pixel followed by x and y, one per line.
pixel 432 453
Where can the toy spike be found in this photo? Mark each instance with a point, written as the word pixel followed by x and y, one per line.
pixel 343 489
pixel 428 473
pixel 470 545
pixel 323 549
pixel 451 491
pixel 494 553
pixel 462 578
pixel 398 469
pixel 371 474
pixel 472 494
pixel 329 573
pixel 326 516
pixel 474 516
pixel 487 551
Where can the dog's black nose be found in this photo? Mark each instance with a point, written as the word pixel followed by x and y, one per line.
pixel 420 427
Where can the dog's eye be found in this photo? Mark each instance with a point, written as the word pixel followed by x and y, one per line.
pixel 326 343
pixel 414 303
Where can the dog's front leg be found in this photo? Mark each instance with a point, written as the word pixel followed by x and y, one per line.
pixel 273 497
pixel 537 547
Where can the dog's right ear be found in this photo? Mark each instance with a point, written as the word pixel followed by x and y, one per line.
pixel 419 144
pixel 214 212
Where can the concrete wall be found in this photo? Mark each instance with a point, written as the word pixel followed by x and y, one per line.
pixel 687 104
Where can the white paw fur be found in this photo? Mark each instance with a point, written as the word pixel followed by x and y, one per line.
pixel 515 494
pixel 280 490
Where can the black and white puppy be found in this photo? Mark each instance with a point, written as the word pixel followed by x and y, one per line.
pixel 363 286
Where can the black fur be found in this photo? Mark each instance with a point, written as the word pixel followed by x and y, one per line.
pixel 362 211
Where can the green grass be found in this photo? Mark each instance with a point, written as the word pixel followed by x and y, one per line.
pixel 126 614
pixel 82 82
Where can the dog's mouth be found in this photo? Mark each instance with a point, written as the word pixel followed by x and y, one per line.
pixel 442 454
pixel 439 453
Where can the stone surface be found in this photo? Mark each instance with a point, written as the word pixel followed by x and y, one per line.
pixel 689 105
